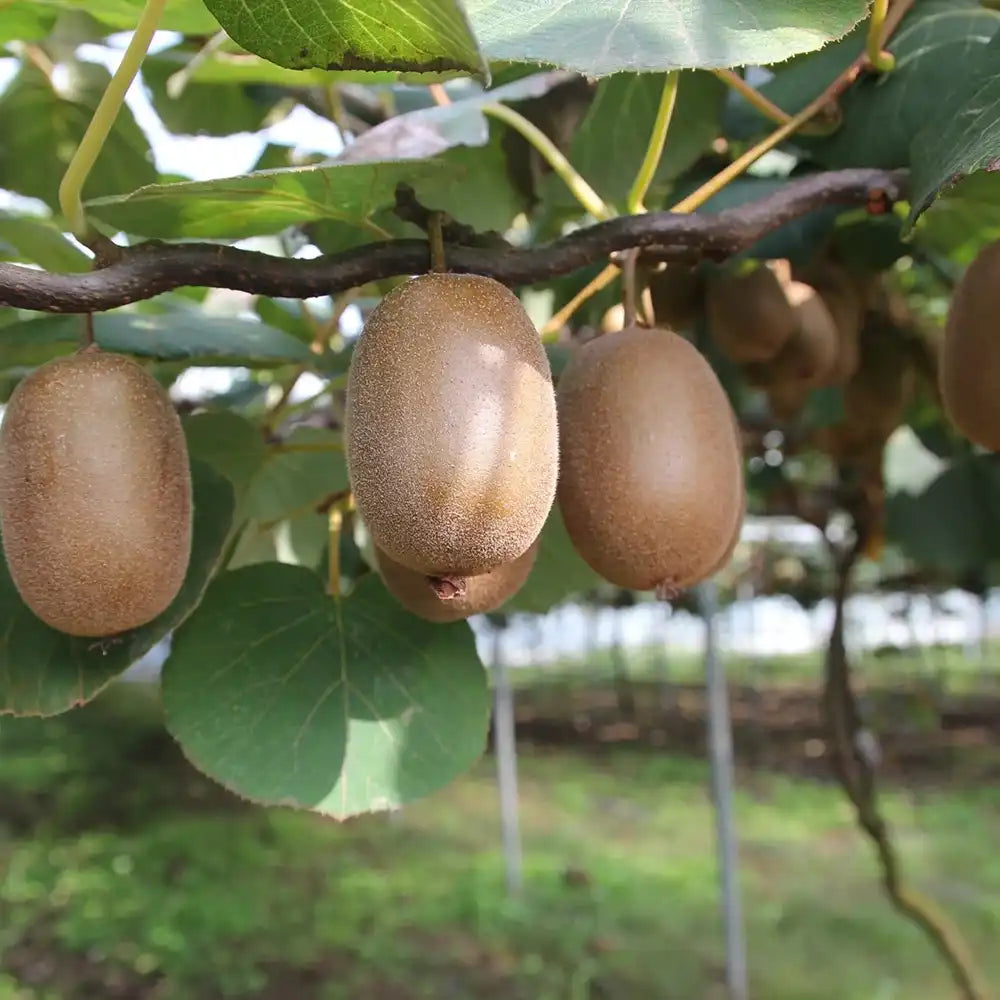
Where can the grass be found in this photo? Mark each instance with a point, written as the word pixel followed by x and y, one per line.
pixel 125 875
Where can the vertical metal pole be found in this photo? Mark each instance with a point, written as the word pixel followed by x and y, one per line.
pixel 720 745
pixel 505 747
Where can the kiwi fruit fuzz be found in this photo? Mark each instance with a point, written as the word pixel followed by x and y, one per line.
pixel 969 368
pixel 651 481
pixel 749 314
pixel 95 494
pixel 450 427
pixel 482 593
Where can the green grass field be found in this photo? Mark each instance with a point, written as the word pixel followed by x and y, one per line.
pixel 126 876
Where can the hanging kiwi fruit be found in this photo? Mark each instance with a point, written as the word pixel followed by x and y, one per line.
pixel 651 476
pixel 483 593
pixel 450 428
pixel 969 369
pixel 748 312
pixel 95 494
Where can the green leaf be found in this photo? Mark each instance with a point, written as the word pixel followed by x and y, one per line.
pixel 303 470
pixel 203 109
pixel 558 575
pixel 298 541
pixel 964 218
pixel 599 38
pixel 621 118
pixel 288 697
pixel 191 336
pixel 431 36
pixel 42 128
pixel 231 444
pixel 961 137
pixel 954 524
pixel 262 203
pixel 187 16
pixel 44 672
pixel 24 21
pixel 476 189
pixel 41 242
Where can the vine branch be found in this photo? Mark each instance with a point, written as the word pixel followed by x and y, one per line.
pixel 855 771
pixel 147 269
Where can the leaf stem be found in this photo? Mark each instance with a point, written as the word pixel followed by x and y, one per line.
pixel 580 189
pixel 103 119
pixel 879 59
pixel 753 96
pixel 335 523
pixel 657 140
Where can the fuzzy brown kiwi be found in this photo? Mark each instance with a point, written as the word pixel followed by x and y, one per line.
pixel 749 315
pixel 451 437
pixel 95 494
pixel 651 479
pixel 843 294
pixel 676 294
pixel 811 352
pixel 969 370
pixel 482 593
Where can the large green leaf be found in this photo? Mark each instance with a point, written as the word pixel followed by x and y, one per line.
pixel 937 46
pixel 960 137
pixel 288 697
pixel 41 242
pixel 188 16
pixel 405 35
pixel 188 335
pixel 963 218
pixel 44 672
pixel 559 572
pixel 262 203
pixel 600 37
pixel 24 21
pixel 42 127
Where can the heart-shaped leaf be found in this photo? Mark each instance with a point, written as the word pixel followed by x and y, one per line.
pixel 288 697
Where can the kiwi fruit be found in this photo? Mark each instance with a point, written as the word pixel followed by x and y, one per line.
pixel 651 478
pixel 95 494
pixel 844 296
pixel 749 315
pixel 969 369
pixel 482 593
pixel 676 293
pixel 450 426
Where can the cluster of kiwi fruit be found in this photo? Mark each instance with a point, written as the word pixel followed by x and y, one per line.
pixel 790 330
pixel 95 494
pixel 459 442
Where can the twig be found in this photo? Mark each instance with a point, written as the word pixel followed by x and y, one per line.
pixel 152 268
pixel 856 775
